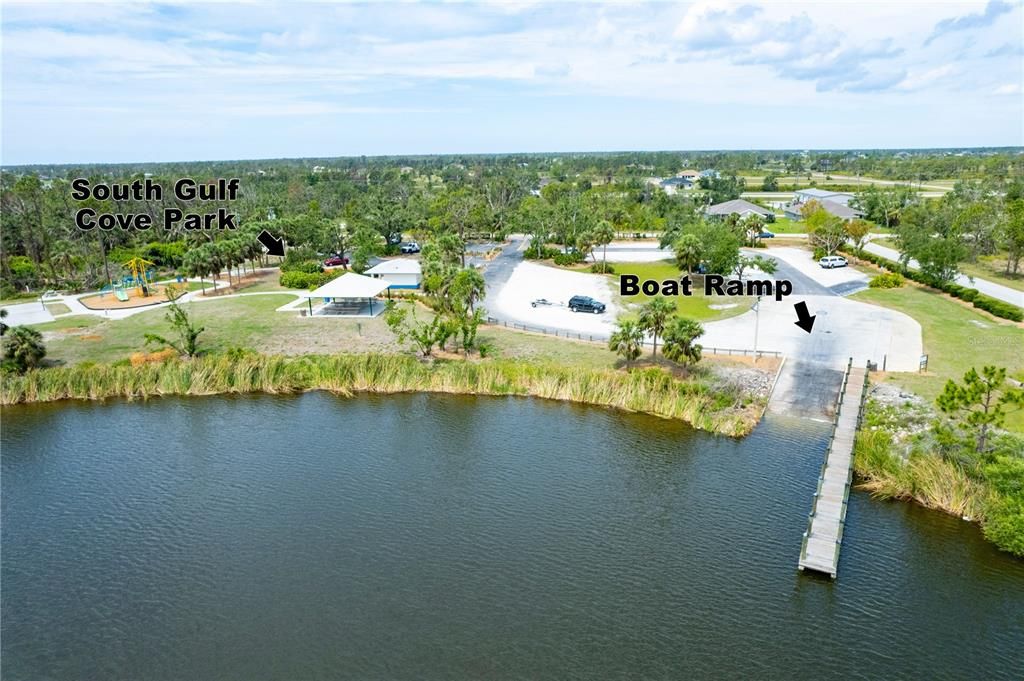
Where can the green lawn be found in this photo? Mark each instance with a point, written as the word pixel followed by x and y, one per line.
pixel 786 226
pixel 57 308
pixel 252 322
pixel 956 338
pixel 696 306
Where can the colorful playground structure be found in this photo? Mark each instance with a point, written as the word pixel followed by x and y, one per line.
pixel 141 279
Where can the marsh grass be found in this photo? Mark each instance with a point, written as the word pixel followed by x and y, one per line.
pixel 926 479
pixel 651 391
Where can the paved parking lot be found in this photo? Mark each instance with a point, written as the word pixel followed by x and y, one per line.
pixel 27 313
pixel 530 281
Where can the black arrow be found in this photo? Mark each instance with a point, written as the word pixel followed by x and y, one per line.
pixel 805 320
pixel 274 246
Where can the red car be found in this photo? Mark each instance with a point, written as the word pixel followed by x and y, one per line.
pixel 335 261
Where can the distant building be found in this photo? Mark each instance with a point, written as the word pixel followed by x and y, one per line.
pixel 673 184
pixel 398 272
pixel 736 207
pixel 836 203
pixel 813 194
pixel 710 173
pixel 688 174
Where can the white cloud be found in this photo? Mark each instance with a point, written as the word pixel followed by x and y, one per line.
pixel 1008 89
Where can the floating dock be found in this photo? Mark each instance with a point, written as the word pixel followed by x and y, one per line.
pixel 824 536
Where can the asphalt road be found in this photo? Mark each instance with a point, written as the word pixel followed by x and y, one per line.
pixel 989 288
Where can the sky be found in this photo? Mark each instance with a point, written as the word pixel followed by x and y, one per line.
pixel 134 82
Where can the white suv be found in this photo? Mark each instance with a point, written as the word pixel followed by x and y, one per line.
pixel 830 261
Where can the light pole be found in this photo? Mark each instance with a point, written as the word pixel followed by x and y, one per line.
pixel 757 324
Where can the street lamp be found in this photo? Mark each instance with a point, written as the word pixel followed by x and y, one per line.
pixel 757 324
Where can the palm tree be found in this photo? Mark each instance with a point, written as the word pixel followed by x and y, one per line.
pixel 654 316
pixel 679 341
pixel 627 341
pixel 604 233
pixel 225 256
pixel 689 252
pixel 467 287
pixel 23 348
pixel 194 265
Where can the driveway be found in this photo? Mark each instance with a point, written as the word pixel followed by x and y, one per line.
pixel 1004 293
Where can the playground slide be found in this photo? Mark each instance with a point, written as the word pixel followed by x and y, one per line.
pixel 121 294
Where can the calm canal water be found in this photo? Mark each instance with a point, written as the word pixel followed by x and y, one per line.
pixel 428 537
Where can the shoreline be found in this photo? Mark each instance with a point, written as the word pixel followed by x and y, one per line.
pixel 649 391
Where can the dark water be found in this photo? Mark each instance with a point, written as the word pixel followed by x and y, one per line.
pixel 440 537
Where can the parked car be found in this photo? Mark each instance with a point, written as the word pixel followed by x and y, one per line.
pixel 585 304
pixel 541 301
pixel 765 234
pixel 335 261
pixel 411 247
pixel 830 261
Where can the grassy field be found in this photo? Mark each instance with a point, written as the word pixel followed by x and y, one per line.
pixel 248 321
pixel 787 226
pixel 993 268
pixel 956 338
pixel 696 306
pixel 251 322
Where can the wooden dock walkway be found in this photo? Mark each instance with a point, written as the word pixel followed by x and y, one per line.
pixel 824 536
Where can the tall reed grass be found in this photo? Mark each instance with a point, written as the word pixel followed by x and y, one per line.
pixel 926 479
pixel 650 391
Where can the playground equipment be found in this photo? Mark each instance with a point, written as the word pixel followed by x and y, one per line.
pixel 119 292
pixel 140 278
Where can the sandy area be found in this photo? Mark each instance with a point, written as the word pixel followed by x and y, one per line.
pixel 530 281
pixel 108 301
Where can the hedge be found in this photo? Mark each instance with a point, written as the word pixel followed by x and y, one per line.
pixel 991 305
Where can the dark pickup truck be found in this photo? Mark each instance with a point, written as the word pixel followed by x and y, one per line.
pixel 585 304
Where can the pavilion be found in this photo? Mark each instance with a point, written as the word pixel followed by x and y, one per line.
pixel 351 295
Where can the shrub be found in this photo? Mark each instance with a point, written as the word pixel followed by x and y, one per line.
pixel 139 358
pixel 23 349
pixel 887 280
pixel 998 308
pixel 306 266
pixel 538 251
pixel 572 258
pixel 602 268
pixel 307 280
pixel 819 253
pixel 23 271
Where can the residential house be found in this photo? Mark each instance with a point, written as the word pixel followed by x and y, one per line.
pixel 736 207
pixel 673 184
